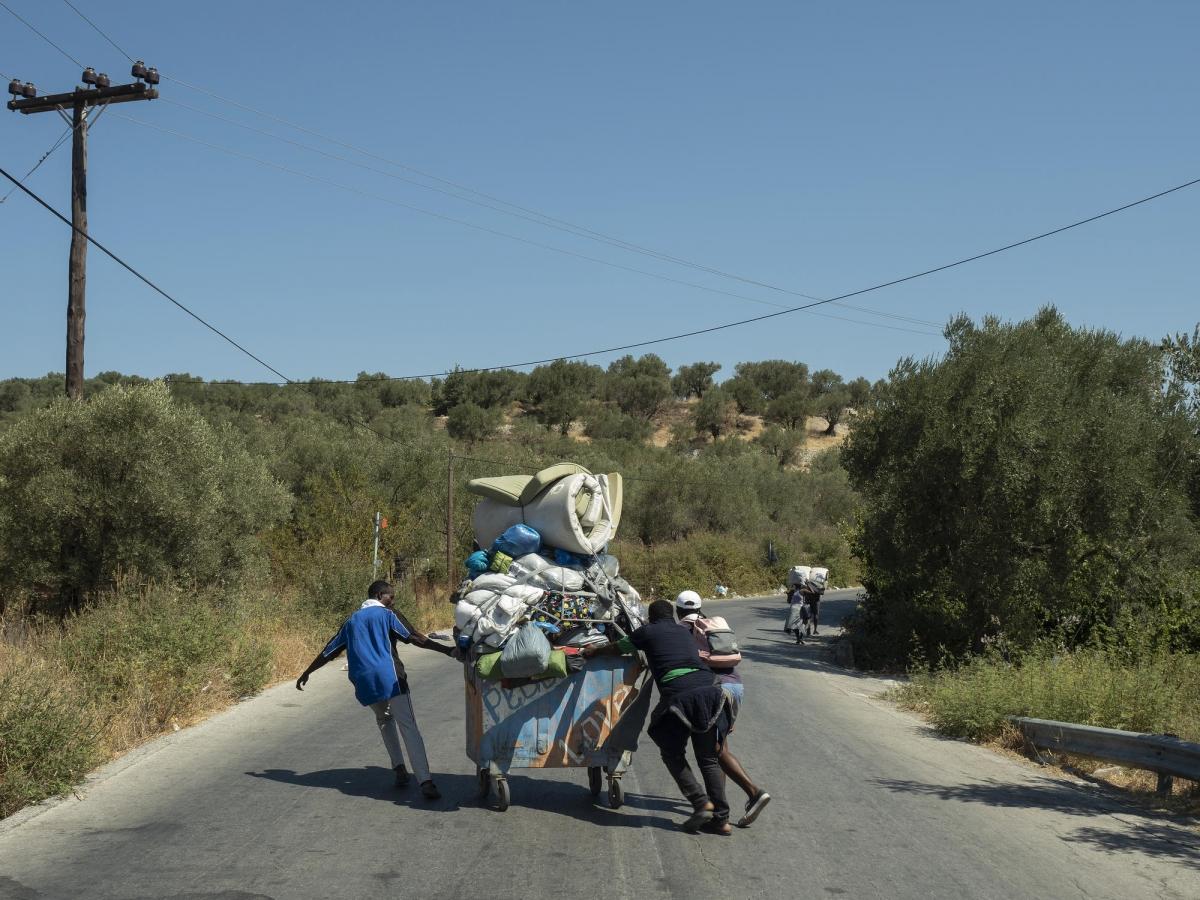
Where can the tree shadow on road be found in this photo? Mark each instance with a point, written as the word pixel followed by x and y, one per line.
pixel 1168 838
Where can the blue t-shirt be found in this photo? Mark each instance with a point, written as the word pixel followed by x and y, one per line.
pixel 367 638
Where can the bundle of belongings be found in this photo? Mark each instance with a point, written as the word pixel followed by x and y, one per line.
pixel 545 587
pixel 813 578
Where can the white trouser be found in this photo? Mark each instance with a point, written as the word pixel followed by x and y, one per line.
pixel 395 718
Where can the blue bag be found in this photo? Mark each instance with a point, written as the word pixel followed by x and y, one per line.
pixel 477 563
pixel 518 541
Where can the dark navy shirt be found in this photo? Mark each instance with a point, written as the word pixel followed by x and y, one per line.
pixel 367 638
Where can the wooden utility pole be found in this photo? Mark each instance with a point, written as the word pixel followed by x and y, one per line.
pixel 450 523
pixel 99 92
pixel 77 264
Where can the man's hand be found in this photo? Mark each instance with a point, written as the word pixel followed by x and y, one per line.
pixel 301 681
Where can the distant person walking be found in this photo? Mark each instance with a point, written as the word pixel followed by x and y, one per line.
pixel 369 639
pixel 724 666
pixel 796 613
pixel 810 599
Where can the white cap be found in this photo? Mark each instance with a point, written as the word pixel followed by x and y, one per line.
pixel 688 600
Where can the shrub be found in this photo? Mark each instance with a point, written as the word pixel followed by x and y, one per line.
pixel 1026 484
pixel 127 480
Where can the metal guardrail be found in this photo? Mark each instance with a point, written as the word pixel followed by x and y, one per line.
pixel 1165 754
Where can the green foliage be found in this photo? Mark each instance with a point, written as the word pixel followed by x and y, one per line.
pixel 471 423
pixel 716 413
pixel 47 734
pixel 694 380
pixel 755 384
pixel 127 480
pixel 791 410
pixel 605 423
pixel 782 444
pixel 640 387
pixel 1027 484
pixel 1151 691
pixel 561 390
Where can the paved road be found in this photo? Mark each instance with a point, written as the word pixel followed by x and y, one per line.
pixel 288 796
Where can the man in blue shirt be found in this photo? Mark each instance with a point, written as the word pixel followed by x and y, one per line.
pixel 369 638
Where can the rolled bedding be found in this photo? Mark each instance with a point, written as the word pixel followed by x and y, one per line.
pixel 570 508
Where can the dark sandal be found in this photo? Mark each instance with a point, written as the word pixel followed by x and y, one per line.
pixel 697 820
pixel 719 827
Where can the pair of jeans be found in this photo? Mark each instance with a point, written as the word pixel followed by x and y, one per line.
pixel 395 718
pixel 670 734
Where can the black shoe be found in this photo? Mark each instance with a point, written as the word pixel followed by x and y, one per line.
pixel 429 790
pixel 799 640
pixel 700 817
pixel 402 777
pixel 754 806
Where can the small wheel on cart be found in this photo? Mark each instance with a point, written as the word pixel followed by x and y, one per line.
pixel 501 794
pixel 485 784
pixel 595 780
pixel 616 793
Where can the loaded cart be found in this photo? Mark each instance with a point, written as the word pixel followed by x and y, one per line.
pixel 590 719
pixel 545 588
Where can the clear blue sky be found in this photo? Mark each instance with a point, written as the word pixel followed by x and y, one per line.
pixel 821 147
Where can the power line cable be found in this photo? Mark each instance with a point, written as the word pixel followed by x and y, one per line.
pixel 659 340
pixel 45 156
pixel 97 29
pixel 488 230
pixel 528 214
pixel 876 287
pixel 95 243
pixel 14 14
pixel 535 217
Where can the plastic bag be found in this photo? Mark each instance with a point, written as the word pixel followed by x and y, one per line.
pixel 527 566
pixel 526 654
pixel 477 563
pixel 518 541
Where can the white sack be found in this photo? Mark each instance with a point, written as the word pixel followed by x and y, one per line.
pixel 797 575
pixel 559 578
pixel 527 566
pixel 554 515
pixel 493 581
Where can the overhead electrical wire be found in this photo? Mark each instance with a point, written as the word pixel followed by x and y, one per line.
pixel 493 231
pixel 45 156
pixel 536 217
pixel 14 14
pixel 97 29
pixel 522 211
pixel 650 341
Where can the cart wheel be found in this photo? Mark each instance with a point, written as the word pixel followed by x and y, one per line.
pixel 616 793
pixel 485 784
pixel 501 794
pixel 595 780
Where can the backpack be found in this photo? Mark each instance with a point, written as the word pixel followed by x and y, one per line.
pixel 716 642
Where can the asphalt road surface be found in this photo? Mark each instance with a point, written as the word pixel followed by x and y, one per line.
pixel 289 796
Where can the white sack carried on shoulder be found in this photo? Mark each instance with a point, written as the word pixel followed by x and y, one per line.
pixel 797 575
pixel 465 614
pixel 574 514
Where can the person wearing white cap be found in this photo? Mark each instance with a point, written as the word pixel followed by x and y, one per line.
pixel 687 609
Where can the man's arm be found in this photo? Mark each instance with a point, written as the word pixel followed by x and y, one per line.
pixel 319 661
pixel 419 638
pixel 621 647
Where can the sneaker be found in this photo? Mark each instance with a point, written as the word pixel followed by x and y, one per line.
pixel 429 790
pixel 754 806
pixel 402 777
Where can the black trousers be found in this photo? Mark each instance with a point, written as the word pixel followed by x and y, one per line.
pixel 671 735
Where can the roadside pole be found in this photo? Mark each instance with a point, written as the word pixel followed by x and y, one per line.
pixel 375 554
